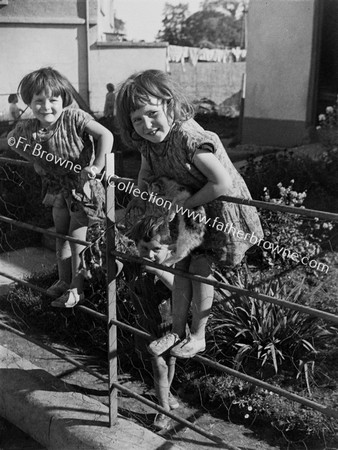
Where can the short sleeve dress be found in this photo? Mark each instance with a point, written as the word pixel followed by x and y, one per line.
pixel 174 158
pixel 62 153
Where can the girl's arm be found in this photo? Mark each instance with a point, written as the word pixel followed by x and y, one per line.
pixel 218 182
pixel 137 205
pixel 144 173
pixel 104 145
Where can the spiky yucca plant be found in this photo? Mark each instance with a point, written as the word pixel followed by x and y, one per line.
pixel 262 337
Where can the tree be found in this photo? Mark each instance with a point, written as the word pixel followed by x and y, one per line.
pixel 119 26
pixel 173 24
pixel 218 24
pixel 212 29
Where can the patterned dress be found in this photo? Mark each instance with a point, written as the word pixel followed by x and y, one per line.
pixel 174 158
pixel 62 153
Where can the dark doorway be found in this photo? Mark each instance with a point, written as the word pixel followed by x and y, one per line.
pixel 328 64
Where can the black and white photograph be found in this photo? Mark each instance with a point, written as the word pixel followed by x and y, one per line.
pixel 168 224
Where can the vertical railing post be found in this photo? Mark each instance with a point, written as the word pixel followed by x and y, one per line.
pixel 111 289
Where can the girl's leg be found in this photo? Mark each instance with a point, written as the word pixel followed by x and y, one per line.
pixel 78 229
pixel 61 220
pixel 203 295
pixel 160 372
pixel 181 299
pixel 171 361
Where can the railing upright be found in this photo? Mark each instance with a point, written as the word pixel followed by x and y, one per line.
pixel 111 291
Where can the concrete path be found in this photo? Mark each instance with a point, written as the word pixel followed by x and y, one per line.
pixel 38 403
pixel 83 383
pixel 61 419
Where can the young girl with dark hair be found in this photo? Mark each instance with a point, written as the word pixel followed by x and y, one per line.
pixel 59 143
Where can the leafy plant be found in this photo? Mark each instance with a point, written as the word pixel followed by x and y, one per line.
pixel 265 337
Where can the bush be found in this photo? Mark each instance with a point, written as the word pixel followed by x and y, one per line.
pixel 21 200
pixel 291 233
pixel 262 408
pixel 264 338
pixel 318 178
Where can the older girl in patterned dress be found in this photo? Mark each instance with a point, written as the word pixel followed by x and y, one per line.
pixel 156 119
pixel 58 142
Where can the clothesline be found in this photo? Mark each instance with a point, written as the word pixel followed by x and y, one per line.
pixel 177 53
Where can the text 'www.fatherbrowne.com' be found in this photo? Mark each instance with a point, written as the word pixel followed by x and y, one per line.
pixel 216 223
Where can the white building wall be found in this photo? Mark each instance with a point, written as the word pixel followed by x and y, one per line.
pixel 113 63
pixel 25 48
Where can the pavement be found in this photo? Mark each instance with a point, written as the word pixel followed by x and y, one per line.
pixel 48 398
pixel 50 404
pixel 61 418
pixel 36 401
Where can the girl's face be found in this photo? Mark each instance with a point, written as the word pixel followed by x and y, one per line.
pixel 46 108
pixel 153 250
pixel 151 121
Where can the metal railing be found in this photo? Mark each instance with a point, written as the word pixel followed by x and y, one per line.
pixel 112 323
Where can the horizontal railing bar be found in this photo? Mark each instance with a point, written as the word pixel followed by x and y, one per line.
pixel 15 162
pixel 283 208
pixel 302 308
pixel 118 386
pixel 89 311
pixel 289 395
pixel 258 203
pixel 123 326
pixel 294 397
pixel 26 284
pixel 206 361
pixel 173 416
pixel 55 352
pixel 295 306
pixel 42 230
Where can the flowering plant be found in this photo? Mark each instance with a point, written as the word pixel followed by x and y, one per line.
pixel 291 231
pixel 328 125
pixel 329 119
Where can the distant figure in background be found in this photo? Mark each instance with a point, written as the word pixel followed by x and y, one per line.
pixel 109 106
pixel 14 111
pixel 108 118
